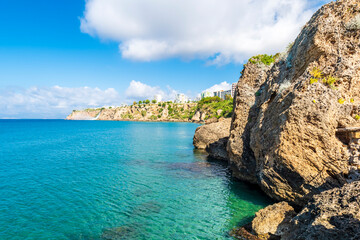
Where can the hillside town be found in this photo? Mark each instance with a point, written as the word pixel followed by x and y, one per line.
pixel 182 98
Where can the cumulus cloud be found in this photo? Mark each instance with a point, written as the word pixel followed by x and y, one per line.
pixel 141 91
pixel 220 30
pixel 53 102
pixel 217 87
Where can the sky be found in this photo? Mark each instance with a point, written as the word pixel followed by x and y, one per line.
pixel 56 56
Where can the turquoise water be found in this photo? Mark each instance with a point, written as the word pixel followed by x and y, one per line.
pixel 114 180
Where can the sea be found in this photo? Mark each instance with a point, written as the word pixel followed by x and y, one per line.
pixel 115 180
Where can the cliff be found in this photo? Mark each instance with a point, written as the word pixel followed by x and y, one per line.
pixel 284 130
pixel 206 109
pixel 143 112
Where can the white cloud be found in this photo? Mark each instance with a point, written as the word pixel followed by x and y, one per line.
pixel 141 91
pixel 222 30
pixel 218 87
pixel 53 102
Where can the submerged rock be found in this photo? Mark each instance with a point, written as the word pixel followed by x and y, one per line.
pixel 130 231
pixel 213 138
pixel 283 134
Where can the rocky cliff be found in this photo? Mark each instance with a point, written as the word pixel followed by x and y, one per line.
pixel 206 109
pixel 284 130
pixel 143 112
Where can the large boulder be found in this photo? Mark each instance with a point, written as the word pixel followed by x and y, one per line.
pixel 269 223
pixel 273 220
pixel 288 143
pixel 333 214
pixel 213 138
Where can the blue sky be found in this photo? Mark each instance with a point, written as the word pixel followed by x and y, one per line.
pixel 60 55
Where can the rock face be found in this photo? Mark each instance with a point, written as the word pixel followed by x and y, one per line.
pixel 274 219
pixel 213 138
pixel 284 137
pixel 333 214
pixel 242 159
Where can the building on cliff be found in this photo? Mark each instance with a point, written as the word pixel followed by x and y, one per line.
pixel 221 93
pixel 181 98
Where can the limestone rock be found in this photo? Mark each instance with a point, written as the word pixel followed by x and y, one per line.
pixel 274 219
pixel 213 137
pixel 83 115
pixel 333 214
pixel 211 120
pixel 286 140
pixel 196 117
pixel 242 159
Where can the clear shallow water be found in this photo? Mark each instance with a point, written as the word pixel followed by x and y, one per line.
pixel 114 180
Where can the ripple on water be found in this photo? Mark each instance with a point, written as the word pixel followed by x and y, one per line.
pixel 115 180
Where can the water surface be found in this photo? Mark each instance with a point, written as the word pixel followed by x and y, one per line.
pixel 114 180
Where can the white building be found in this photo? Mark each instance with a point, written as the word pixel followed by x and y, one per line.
pixel 224 93
pixel 158 97
pixel 206 94
pixel 181 98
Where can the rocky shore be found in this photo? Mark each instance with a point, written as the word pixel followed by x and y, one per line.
pixel 199 112
pixel 294 131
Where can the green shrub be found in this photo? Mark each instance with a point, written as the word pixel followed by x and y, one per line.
pixel 143 113
pixel 264 59
pixel 318 75
pixel 147 101
pixel 313 80
pixel 330 81
pixel 170 109
pixel 153 117
pixel 127 116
